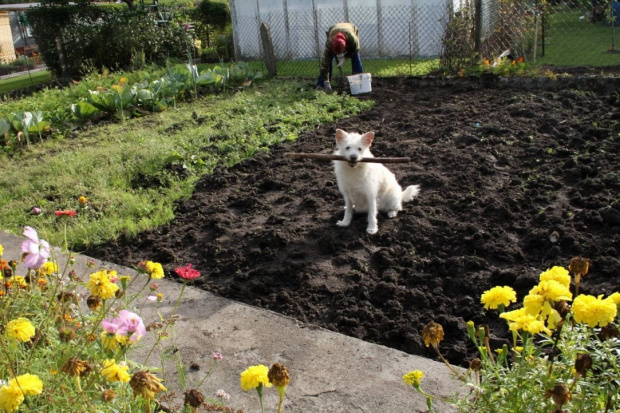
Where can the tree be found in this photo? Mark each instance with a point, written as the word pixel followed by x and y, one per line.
pixel 214 14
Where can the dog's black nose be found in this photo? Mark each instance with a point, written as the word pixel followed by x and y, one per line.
pixel 353 157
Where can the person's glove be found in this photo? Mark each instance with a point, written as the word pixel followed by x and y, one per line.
pixel 328 86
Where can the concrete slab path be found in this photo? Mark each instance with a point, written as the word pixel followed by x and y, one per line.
pixel 329 372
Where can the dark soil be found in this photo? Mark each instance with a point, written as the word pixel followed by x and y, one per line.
pixel 513 180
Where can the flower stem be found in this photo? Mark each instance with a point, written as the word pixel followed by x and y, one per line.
pixel 163 332
pixel 259 390
pixel 456 373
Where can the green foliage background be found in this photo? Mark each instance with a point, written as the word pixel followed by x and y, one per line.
pixel 97 37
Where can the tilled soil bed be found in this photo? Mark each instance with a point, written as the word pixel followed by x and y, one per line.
pixel 515 179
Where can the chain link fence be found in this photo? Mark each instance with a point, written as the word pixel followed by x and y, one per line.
pixel 396 38
pixel 565 33
pixel 571 33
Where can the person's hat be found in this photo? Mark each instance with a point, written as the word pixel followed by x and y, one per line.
pixel 339 43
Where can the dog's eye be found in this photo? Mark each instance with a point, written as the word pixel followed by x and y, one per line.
pixel 347 148
pixel 359 149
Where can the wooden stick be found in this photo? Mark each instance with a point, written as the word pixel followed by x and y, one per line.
pixel 330 157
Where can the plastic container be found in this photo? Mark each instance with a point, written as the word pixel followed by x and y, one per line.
pixel 360 83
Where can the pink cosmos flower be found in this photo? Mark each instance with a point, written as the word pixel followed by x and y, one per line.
pixel 217 355
pixel 131 325
pixel 126 324
pixel 37 251
pixel 110 326
pixel 187 272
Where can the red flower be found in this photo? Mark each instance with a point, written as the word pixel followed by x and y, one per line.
pixel 68 212
pixel 187 272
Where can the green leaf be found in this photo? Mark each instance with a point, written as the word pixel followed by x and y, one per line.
pixel 5 126
pixel 175 157
pixel 83 110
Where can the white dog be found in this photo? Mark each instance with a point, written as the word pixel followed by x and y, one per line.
pixel 366 186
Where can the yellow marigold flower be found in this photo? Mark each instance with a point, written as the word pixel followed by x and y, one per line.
pixel 1 250
pixel 552 290
pixel 100 284
pixel 113 341
pixel 615 297
pixel 146 385
pixel 520 320
pixel 29 384
pixel 20 329
pixel 82 200
pixel 533 303
pixel 557 273
pixel 154 270
pixel 534 326
pixel 413 378
pixel 254 376
pixel 115 372
pixel 17 281
pixel 594 311
pixel 49 268
pixel 497 296
pixel 10 398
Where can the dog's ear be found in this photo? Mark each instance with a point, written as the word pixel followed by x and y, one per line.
pixel 367 138
pixel 340 135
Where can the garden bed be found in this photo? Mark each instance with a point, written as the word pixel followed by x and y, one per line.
pixel 514 180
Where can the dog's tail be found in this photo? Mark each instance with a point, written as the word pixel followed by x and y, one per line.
pixel 411 192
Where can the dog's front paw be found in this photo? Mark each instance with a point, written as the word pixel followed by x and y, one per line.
pixel 372 230
pixel 343 223
pixel 392 214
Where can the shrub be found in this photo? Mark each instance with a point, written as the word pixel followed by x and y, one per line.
pixel 73 39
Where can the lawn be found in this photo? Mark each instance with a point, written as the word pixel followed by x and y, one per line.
pixel 18 82
pixel 133 172
pixel 573 41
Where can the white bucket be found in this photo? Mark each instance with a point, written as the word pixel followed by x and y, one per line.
pixel 360 83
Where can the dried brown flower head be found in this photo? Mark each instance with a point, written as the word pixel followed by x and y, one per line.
pixel 432 333
pixel 579 265
pixel 559 393
pixel 66 297
pixel 156 325
pixel 76 367
pixel 609 331
pixel 66 334
pixel 193 398
pixel 583 363
pixel 278 375
pixel 563 308
pixel 108 396
pixel 93 302
pixel 475 364
pixel 145 385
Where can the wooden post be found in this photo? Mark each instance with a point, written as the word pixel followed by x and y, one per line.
pixel 268 54
pixel 478 26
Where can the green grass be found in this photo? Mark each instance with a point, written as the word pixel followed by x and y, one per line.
pixel 18 82
pixel 127 170
pixel 574 42
pixel 378 68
